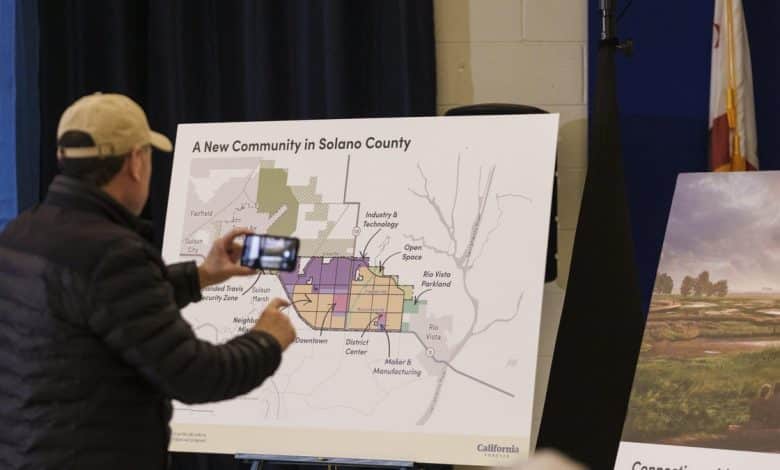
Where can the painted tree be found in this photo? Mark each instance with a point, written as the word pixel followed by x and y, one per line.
pixel 657 285
pixel 664 284
pixel 686 288
pixel 668 284
pixel 720 288
pixel 703 285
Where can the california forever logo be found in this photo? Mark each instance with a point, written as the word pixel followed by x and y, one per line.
pixel 498 449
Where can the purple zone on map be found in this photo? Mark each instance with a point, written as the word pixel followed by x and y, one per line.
pixel 332 277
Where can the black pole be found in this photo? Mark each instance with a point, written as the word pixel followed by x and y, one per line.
pixel 598 342
pixel 608 22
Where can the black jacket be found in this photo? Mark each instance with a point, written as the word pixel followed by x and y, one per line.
pixel 92 344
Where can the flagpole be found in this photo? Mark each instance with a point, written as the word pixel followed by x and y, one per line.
pixel 737 159
pixel 603 228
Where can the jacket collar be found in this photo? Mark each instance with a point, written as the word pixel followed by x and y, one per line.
pixel 71 193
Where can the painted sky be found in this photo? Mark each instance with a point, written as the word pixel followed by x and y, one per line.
pixel 728 224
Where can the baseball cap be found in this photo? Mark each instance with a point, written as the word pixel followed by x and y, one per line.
pixel 115 123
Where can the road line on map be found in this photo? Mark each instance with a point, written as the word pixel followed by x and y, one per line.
pixel 464 374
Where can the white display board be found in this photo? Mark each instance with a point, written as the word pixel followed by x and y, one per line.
pixel 418 296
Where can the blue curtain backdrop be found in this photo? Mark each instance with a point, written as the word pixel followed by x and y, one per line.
pixel 8 205
pixel 234 60
pixel 664 104
pixel 27 104
pixel 19 141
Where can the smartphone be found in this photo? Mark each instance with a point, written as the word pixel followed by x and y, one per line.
pixel 270 252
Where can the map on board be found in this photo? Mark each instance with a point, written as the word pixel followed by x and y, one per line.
pixel 416 298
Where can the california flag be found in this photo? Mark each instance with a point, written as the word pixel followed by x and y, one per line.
pixel 732 111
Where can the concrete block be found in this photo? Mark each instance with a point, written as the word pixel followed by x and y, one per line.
pixel 526 73
pixel 555 20
pixel 451 20
pixel 565 245
pixel 453 69
pixel 496 20
pixel 570 186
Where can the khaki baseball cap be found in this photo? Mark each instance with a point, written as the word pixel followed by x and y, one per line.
pixel 114 122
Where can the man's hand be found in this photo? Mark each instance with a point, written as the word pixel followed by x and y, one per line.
pixel 222 262
pixel 276 323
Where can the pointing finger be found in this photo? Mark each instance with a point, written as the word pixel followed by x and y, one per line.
pixel 278 303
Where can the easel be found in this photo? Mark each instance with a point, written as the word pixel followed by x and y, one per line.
pixel 258 460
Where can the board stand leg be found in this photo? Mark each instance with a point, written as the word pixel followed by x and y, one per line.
pixel 257 462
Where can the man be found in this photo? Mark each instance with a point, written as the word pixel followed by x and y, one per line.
pixel 92 344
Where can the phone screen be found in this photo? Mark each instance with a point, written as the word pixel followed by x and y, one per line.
pixel 270 252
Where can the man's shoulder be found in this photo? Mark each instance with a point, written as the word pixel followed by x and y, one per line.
pixel 68 238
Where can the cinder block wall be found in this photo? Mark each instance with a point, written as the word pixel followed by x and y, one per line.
pixel 528 52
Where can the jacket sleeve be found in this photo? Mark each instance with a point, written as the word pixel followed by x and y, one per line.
pixel 134 311
pixel 185 281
